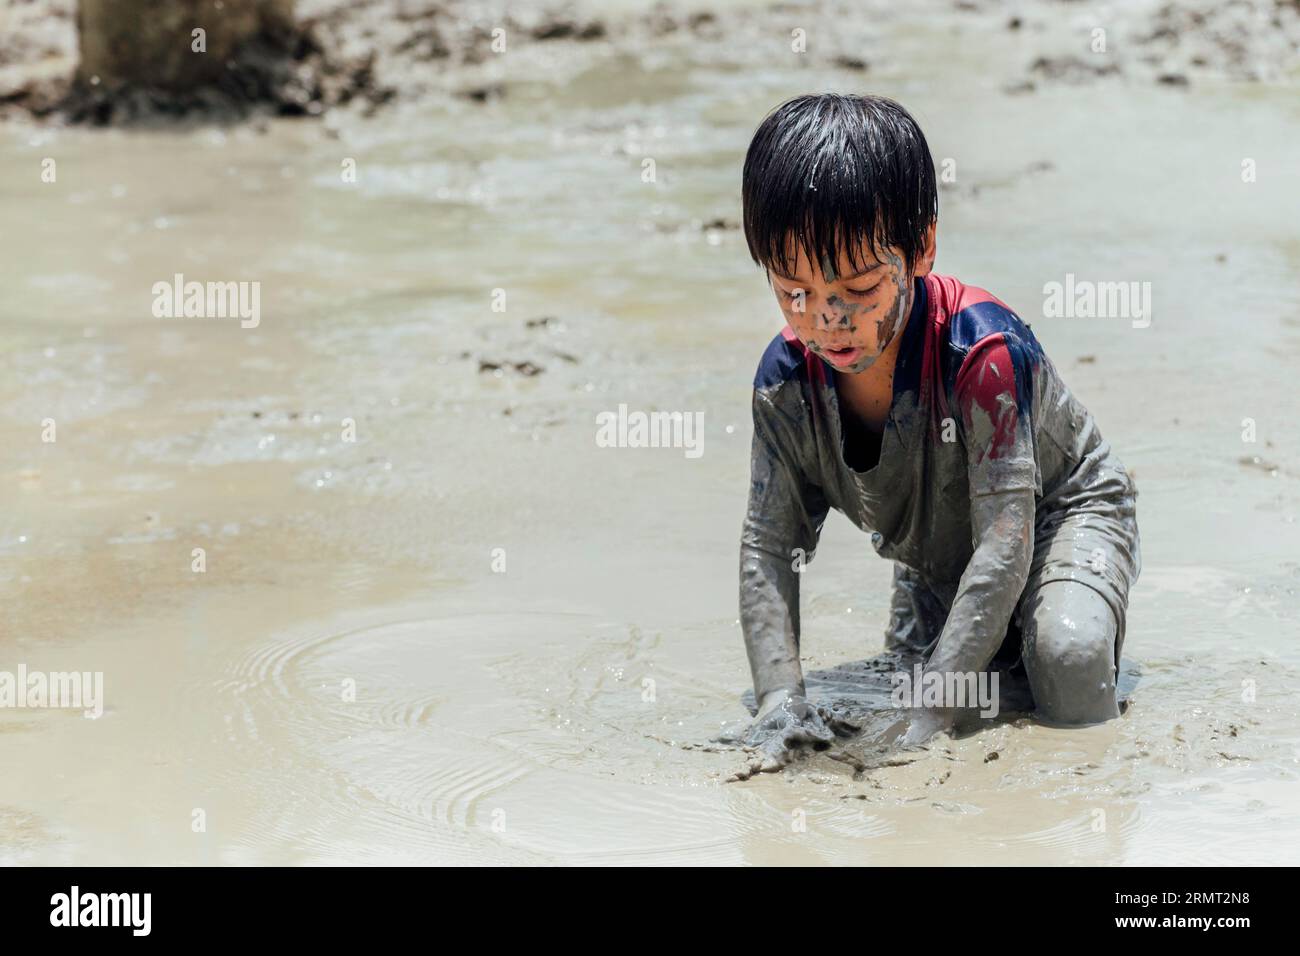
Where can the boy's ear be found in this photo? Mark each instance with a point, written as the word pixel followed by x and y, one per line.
pixel 926 262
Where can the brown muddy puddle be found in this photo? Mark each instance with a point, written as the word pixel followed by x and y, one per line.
pixel 350 680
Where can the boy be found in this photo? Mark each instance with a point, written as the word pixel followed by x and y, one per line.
pixel 926 412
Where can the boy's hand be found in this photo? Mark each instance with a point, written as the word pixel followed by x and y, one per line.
pixel 786 725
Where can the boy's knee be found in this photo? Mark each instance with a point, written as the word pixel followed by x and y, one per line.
pixel 1069 651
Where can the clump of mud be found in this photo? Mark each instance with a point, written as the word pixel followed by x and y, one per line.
pixel 289 73
pixel 363 53
pixel 1171 44
pixel 1257 40
pixel 38 49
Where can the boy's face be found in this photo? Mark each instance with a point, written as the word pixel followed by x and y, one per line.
pixel 848 312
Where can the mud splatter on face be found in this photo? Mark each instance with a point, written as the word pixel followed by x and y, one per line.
pixel 883 335
pixel 888 328
pixel 828 269
pixel 861 365
pixel 842 314
pixel 851 312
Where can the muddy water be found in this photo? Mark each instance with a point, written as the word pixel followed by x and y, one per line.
pixel 356 677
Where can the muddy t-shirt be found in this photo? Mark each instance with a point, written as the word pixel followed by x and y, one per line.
pixel 977 410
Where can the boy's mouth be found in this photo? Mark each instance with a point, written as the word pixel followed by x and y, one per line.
pixel 842 357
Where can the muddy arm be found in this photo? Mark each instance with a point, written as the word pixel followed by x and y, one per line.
pixel 993 396
pixel 782 526
pixel 991 584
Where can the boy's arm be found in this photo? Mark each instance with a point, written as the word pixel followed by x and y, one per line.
pixel 1003 525
pixel 785 513
pixel 994 399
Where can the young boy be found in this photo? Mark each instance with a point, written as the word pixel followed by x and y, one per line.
pixel 926 412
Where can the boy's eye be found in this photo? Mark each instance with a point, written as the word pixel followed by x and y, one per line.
pixel 866 291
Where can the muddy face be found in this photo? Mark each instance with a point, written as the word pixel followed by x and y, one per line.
pixel 848 312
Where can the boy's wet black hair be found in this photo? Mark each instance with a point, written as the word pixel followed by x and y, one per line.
pixel 831 170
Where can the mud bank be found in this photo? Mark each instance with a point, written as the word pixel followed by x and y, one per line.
pixel 371 54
